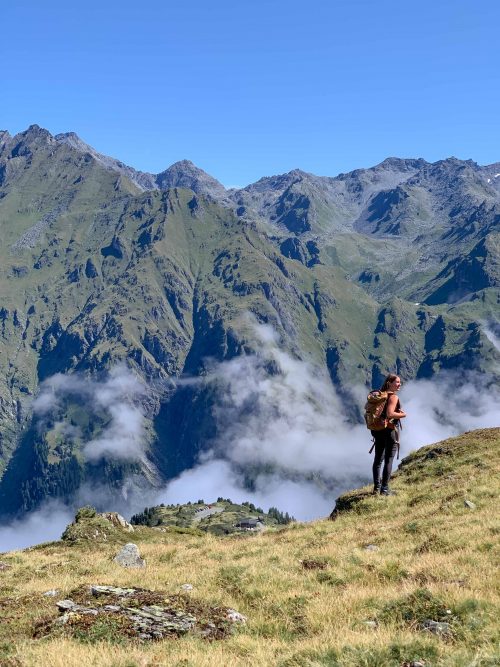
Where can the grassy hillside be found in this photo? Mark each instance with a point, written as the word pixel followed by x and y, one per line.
pixel 219 518
pixel 352 592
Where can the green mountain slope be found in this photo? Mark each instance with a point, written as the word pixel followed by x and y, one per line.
pixel 222 517
pixel 97 271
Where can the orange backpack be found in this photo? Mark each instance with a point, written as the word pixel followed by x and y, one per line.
pixel 375 417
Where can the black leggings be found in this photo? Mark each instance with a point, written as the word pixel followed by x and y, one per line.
pixel 386 446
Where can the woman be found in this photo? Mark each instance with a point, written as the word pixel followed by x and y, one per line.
pixel 387 440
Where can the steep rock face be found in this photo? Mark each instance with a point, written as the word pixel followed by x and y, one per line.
pixel 185 174
pixel 467 275
pixel 437 198
pixel 306 253
pixel 302 202
pixel 182 174
pixel 141 179
pixel 371 271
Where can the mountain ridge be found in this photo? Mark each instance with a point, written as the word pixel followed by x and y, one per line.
pixel 390 268
pixel 73 139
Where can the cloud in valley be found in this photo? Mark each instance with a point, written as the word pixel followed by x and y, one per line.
pixel 117 397
pixel 280 422
pixel 492 332
pixel 280 417
pixel 43 525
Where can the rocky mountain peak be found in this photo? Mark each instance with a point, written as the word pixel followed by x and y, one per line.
pixel 4 136
pixel 26 143
pixel 142 180
pixel 298 173
pixel 453 164
pixel 35 132
pixel 443 173
pixel 402 164
pixel 73 140
pixel 278 182
pixel 184 165
pixel 185 174
pixel 495 167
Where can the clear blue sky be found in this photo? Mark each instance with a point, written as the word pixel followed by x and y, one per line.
pixel 247 89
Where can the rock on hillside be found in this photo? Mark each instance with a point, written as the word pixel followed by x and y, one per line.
pixel 89 526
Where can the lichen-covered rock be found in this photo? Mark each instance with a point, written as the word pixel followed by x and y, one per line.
pixel 138 613
pixel 51 594
pixel 236 617
pixel 129 556
pixel 70 607
pixel 91 526
pixel 65 605
pixel 118 521
pixel 436 627
pixel 111 590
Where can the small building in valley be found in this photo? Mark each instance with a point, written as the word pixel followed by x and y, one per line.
pixel 249 524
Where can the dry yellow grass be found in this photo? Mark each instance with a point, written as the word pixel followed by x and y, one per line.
pixel 426 538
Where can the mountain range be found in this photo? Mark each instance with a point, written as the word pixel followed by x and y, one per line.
pixel 395 267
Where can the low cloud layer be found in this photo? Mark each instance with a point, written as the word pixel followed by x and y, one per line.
pixel 492 332
pixel 282 418
pixel 43 525
pixel 448 405
pixel 280 411
pixel 116 402
pixel 116 398
pixel 278 417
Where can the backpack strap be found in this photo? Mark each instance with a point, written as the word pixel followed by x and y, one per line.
pixel 383 414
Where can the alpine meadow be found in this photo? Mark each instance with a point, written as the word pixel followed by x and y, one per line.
pixel 197 358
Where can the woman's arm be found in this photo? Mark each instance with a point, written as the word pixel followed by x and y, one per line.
pixel 391 412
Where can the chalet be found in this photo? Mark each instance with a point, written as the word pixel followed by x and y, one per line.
pixel 249 524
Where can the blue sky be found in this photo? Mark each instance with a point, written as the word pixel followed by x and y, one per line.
pixel 247 89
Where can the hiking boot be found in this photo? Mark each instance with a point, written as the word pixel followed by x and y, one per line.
pixel 376 490
pixel 386 491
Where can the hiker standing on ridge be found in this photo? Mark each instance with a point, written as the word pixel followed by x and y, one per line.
pixel 386 435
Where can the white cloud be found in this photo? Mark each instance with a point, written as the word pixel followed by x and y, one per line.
pixel 290 421
pixel 492 334
pixel 43 525
pixel 447 405
pixel 122 439
pixel 278 417
pixel 118 395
